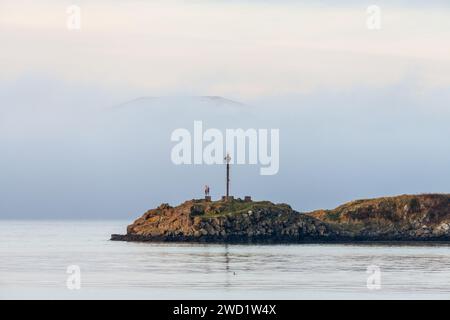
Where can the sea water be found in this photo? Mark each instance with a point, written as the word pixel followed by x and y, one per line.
pixel 36 256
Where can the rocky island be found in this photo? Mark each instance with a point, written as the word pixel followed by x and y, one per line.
pixel 402 218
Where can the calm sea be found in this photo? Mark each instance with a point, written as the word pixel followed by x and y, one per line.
pixel 35 255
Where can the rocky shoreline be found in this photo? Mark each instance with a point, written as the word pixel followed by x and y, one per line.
pixel 402 218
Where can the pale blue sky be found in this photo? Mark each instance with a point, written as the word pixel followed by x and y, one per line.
pixel 361 113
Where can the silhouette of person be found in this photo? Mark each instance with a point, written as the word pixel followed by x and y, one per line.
pixel 206 190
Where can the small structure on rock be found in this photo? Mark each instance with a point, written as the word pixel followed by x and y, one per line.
pixel 227 197
pixel 207 196
pixel 228 159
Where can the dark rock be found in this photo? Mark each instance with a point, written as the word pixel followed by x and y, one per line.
pixel 408 218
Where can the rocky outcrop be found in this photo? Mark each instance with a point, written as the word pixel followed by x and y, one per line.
pixel 226 221
pixel 409 218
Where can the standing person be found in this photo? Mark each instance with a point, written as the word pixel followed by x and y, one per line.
pixel 206 190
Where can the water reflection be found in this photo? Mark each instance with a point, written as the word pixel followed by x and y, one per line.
pixel 38 263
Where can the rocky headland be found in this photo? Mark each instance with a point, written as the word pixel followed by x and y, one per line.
pixel 402 218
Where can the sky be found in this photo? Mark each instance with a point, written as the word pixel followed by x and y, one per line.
pixel 361 112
